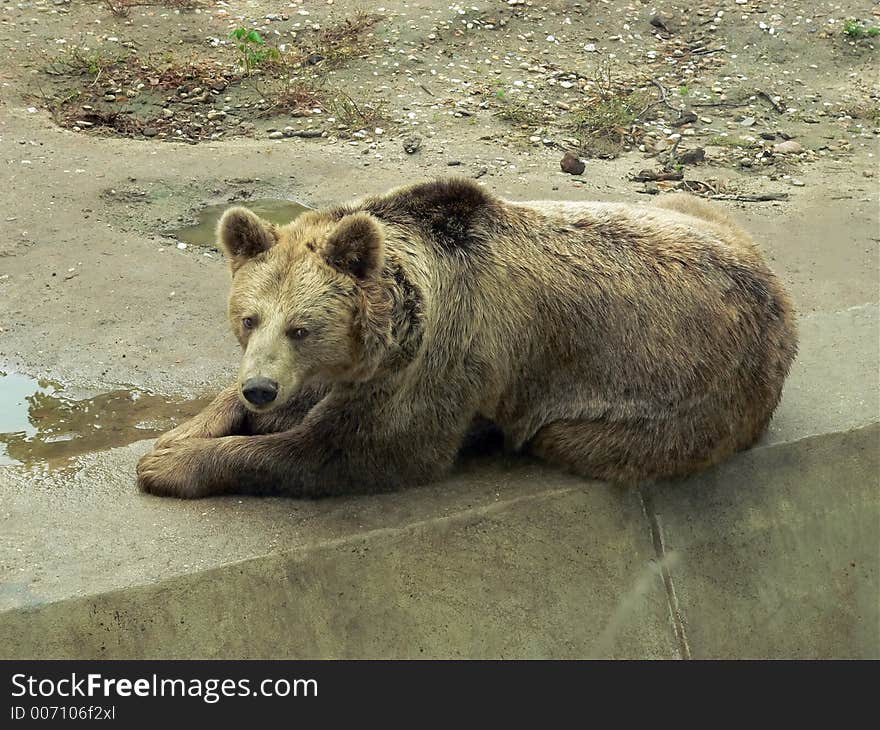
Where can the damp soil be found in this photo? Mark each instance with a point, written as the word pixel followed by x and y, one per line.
pixel 41 425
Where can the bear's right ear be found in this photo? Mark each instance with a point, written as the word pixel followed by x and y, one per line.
pixel 244 235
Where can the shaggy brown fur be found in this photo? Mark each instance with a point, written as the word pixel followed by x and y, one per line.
pixel 624 342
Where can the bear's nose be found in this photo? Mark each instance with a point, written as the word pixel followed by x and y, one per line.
pixel 259 391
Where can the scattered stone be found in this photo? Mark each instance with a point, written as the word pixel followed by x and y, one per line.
pixel 276 135
pixel 691 157
pixel 685 118
pixel 658 21
pixel 411 145
pixel 768 136
pixel 797 183
pixel 454 163
pixel 747 121
pixel 304 133
pixel 654 176
pixel 572 164
pixel 150 131
pixel 789 147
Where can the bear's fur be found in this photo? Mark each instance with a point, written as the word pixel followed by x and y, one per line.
pixel 623 342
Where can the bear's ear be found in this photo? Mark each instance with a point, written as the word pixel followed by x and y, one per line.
pixel 244 235
pixel 356 246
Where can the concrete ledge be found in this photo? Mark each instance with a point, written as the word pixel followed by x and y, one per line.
pixel 528 577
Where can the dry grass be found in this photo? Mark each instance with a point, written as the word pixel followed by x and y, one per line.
pixel 354 115
pixel 337 42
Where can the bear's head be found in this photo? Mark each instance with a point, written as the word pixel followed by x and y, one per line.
pixel 307 304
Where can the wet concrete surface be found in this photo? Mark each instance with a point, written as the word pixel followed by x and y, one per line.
pixel 40 425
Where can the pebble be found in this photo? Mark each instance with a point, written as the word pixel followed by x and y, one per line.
pixel 572 164
pixel 789 147
pixel 276 135
pixel 411 145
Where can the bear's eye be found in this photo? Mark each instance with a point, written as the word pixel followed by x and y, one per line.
pixel 298 333
pixel 248 323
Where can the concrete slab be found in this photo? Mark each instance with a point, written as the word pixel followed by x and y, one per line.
pixel 834 384
pixel 775 554
pixel 565 571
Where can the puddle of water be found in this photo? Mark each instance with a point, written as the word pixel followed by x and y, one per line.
pixel 204 232
pixel 38 424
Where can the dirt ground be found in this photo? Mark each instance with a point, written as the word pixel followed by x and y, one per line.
pixel 117 124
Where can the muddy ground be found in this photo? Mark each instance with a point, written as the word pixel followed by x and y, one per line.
pixel 117 125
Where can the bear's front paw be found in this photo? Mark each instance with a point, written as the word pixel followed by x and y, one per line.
pixel 192 429
pixel 172 471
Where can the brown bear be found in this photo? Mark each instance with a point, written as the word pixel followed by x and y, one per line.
pixel 623 342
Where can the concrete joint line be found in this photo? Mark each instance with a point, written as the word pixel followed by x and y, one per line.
pixel 664 561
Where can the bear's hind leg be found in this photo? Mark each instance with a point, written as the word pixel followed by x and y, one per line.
pixel 626 453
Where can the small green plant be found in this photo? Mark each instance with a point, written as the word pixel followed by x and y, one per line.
pixel 250 45
pixel 683 90
pixel 856 29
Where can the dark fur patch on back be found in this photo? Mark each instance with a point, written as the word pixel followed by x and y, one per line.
pixel 446 210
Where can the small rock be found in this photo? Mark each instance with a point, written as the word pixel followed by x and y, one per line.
pixel 572 164
pixel 276 135
pixel 454 163
pixel 658 21
pixel 685 118
pixel 747 121
pixel 304 133
pixel 797 183
pixel 150 131
pixel 789 147
pixel 768 136
pixel 109 97
pixel 411 145
pixel 691 157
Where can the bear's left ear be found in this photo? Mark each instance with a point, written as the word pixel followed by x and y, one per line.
pixel 356 246
pixel 244 235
